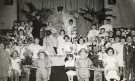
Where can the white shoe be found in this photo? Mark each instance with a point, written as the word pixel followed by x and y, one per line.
pixel 124 79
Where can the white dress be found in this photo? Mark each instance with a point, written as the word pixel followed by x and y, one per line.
pixel 15 65
pixel 92 34
pixel 61 42
pixel 70 64
pixel 66 47
pixel 20 50
pixel 79 47
pixel 111 68
pixel 35 49
pixel 118 47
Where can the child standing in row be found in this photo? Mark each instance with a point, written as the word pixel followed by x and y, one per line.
pixel 15 66
pixel 43 67
pixel 111 66
pixel 83 64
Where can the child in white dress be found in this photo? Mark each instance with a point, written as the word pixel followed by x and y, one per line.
pixel 70 66
pixel 83 65
pixel 81 44
pixel 67 46
pixel 43 67
pixel 15 66
pixel 111 67
pixel 102 54
pixel 92 33
pixel 61 42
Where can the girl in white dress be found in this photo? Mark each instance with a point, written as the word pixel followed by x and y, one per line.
pixel 15 66
pixel 61 41
pixel 70 66
pixel 92 33
pixel 70 28
pixel 81 44
pixel 67 47
pixel 35 48
pixel 111 66
pixel 43 65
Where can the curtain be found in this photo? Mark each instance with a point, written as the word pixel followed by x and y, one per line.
pixel 67 4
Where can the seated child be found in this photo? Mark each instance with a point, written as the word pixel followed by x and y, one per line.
pixel 70 66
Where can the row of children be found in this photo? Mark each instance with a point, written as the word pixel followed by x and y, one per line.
pixel 74 66
pixel 96 42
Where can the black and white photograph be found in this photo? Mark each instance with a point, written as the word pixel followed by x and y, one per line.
pixel 67 40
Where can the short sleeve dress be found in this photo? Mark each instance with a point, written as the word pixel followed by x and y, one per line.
pixel 83 65
pixel 111 68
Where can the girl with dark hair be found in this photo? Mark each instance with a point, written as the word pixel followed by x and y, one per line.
pixel 67 47
pixel 15 66
pixel 70 28
pixel 81 44
pixel 70 66
pixel 111 67
pixel 43 64
pixel 61 41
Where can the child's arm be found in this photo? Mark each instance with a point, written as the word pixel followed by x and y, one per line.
pixel 77 63
pixel 104 62
pixel 77 68
pixel 90 64
pixel 49 68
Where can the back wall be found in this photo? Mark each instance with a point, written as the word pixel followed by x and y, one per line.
pixel 8 13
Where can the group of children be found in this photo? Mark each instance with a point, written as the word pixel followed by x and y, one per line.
pixel 113 47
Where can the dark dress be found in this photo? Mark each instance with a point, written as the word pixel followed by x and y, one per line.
pixel 28 61
pixel 36 28
pixel 58 73
pixel 128 52
pixel 132 61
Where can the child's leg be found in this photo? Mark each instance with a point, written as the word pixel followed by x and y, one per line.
pixel 113 80
pixel 70 78
pixel 11 76
pixel 38 76
pixel 80 79
pixel 121 73
pixel 45 79
pixel 86 79
pixel 16 76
